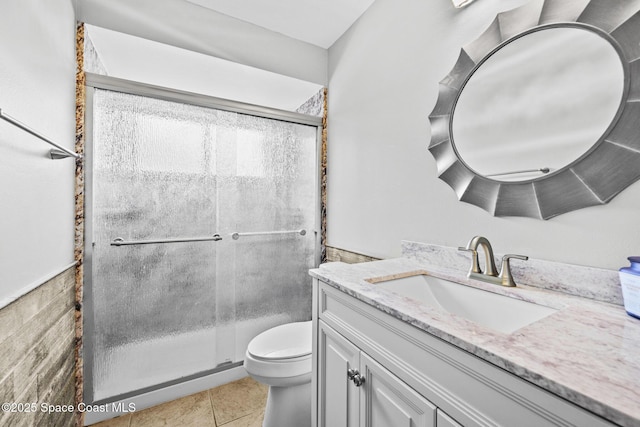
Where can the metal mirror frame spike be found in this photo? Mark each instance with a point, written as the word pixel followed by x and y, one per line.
pixel 612 163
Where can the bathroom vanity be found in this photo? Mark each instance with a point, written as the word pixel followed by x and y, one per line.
pixel 382 358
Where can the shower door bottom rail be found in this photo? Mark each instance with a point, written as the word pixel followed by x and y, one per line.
pixel 225 366
pixel 119 241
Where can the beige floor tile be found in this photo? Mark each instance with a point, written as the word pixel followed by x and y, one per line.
pixel 237 399
pixel 252 420
pixel 194 410
pixel 122 421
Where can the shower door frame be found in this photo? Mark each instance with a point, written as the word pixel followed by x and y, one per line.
pixel 96 81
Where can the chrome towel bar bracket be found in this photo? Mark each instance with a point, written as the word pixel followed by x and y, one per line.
pixel 59 152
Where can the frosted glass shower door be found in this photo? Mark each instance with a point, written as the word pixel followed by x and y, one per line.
pixel 165 308
pixel 154 305
pixel 267 192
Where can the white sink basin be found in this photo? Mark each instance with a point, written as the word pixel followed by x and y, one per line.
pixel 494 311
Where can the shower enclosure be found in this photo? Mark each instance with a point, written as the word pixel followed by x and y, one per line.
pixel 202 222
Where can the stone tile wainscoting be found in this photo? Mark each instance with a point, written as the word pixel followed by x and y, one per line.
pixel 348 257
pixel 36 353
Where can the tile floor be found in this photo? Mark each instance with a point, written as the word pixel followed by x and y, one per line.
pixel 237 404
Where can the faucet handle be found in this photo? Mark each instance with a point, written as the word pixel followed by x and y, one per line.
pixel 505 271
pixel 475 263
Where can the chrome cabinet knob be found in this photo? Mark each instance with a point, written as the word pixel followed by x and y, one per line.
pixel 355 376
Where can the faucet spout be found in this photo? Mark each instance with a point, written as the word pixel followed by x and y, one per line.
pixel 490 264
pixel 490 275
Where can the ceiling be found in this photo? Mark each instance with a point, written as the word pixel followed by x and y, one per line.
pixel 319 22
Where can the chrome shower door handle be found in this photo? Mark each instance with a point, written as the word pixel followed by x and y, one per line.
pixel 119 241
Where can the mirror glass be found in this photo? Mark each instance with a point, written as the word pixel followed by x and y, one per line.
pixel 539 102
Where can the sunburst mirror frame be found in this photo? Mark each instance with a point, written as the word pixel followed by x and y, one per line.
pixel 610 165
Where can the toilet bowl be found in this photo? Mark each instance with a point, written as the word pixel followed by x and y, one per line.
pixel 281 358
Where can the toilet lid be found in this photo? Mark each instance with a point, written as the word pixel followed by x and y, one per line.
pixel 282 342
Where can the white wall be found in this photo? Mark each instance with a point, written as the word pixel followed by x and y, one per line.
pixel 134 58
pixel 190 26
pixel 382 185
pixel 37 87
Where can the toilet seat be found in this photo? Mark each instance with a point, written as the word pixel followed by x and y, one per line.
pixel 284 342
pixel 281 355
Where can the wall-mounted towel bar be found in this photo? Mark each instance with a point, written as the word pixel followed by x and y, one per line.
pixel 119 241
pixel 57 153
pixel 236 236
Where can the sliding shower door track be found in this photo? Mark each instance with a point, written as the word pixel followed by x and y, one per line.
pixel 220 368
pixel 143 89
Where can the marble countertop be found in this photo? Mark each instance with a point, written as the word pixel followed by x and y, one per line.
pixel 587 352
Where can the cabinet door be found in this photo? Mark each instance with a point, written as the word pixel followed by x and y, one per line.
pixel 338 403
pixel 387 401
pixel 444 420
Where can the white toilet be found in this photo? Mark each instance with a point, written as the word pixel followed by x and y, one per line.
pixel 281 358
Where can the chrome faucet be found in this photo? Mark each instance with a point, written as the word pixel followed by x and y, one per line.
pixel 490 275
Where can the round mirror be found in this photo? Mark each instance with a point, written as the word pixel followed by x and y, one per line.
pixel 538 104
pixel 583 126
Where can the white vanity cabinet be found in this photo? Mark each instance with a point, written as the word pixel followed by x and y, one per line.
pixel 414 379
pixel 443 420
pixel 357 391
